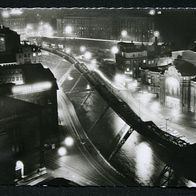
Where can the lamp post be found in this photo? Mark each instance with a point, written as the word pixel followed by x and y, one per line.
pixel 156 35
pixel 166 123
pixel 124 34
pixel 68 29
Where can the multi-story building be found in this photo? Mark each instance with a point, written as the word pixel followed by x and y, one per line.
pixel 9 44
pixel 174 84
pixel 130 57
pixel 106 24
pixel 28 53
pixel 13 51
pixel 20 128
pixel 86 27
pixel 33 121
pixel 28 107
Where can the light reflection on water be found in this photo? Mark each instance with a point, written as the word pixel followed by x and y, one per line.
pixel 144 163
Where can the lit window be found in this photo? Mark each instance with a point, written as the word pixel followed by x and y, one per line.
pixel 34 54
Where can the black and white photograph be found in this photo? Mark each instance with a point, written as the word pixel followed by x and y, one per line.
pixel 98 97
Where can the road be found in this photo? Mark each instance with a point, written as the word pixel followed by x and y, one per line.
pixel 143 178
pixel 141 105
pixel 93 157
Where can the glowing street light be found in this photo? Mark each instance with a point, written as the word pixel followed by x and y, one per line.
pixel 68 50
pixel 16 11
pixel 94 61
pixel 88 87
pixel 62 151
pixel 5 14
pixel 45 29
pixel 123 33
pixel 69 141
pixel 159 12
pixel 152 12
pixel 114 50
pixel 82 48
pixel 87 55
pixel 68 29
pixel 156 33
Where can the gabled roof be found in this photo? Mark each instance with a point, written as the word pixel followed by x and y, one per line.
pixel 12 109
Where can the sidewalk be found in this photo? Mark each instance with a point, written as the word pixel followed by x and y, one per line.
pixel 175 122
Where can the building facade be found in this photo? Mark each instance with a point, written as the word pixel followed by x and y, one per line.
pixel 174 84
pixel 107 24
pixel 9 44
pixel 28 54
pixel 28 107
pixel 131 57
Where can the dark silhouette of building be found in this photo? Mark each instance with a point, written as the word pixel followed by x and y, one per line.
pixel 28 108
pixel 9 44
pixel 29 117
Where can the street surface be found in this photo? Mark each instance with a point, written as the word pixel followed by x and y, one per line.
pixel 96 118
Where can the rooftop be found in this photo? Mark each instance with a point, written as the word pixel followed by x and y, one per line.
pixel 13 109
pixel 159 69
pixel 185 68
pixel 130 47
pixel 31 72
pixel 6 30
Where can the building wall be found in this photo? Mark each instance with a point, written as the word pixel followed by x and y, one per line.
pixel 48 100
pixel 91 27
pixel 171 84
pixel 7 162
pixel 28 54
pixel 108 27
pixel 9 44
pixel 193 97
pixel 11 76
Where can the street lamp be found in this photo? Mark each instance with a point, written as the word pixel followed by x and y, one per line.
pixel 69 141
pixel 152 12
pixel 87 55
pixel 5 14
pixel 156 33
pixel 123 33
pixel 16 11
pixel 68 50
pixel 82 48
pixel 68 29
pixel 159 12
pixel 114 50
pixel 94 61
pixel 166 123
pixel 62 151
